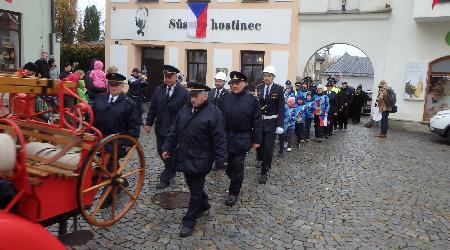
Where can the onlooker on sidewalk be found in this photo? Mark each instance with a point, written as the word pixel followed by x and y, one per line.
pixel 382 100
pixel 44 66
pixel 67 69
pixel 137 84
pixel 54 71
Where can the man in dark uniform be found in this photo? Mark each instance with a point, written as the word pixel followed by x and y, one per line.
pixel 44 66
pixel 215 94
pixel 114 112
pixel 195 141
pixel 345 97
pixel 360 98
pixel 332 111
pixel 271 100
pixel 167 100
pixel 137 84
pixel 243 125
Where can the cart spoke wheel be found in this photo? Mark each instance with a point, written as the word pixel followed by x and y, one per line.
pixel 111 179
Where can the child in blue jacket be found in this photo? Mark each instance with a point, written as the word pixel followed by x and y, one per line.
pixel 300 130
pixel 290 115
pixel 321 113
pixel 309 113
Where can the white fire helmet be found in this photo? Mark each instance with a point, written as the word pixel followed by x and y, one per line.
pixel 221 76
pixel 320 86
pixel 270 69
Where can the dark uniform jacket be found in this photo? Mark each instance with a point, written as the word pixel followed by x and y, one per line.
pixel 119 117
pixel 137 86
pixel 243 121
pixel 273 105
pixel 197 139
pixel 212 95
pixel 162 111
pixel 345 96
pixel 359 99
pixel 334 102
pixel 44 68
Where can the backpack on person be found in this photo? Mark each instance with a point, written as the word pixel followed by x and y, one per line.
pixel 391 100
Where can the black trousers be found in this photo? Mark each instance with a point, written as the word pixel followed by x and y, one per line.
pixel 169 165
pixel 318 130
pixel 138 101
pixel 235 172
pixel 198 200
pixel 356 114
pixel 300 131
pixel 265 151
pixel 330 125
pixel 343 116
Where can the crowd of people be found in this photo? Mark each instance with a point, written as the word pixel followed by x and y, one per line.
pixel 197 127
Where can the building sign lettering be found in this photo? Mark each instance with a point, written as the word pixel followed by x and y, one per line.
pixel 215 25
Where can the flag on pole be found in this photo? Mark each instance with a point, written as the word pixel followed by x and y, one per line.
pixel 434 3
pixel 323 121
pixel 198 19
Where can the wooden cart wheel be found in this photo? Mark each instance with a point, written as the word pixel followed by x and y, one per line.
pixel 111 179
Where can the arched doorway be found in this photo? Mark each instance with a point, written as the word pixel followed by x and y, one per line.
pixel 438 87
pixel 344 61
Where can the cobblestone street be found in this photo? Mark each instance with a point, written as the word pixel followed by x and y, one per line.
pixel 354 190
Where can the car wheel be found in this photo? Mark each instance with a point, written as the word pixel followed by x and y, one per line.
pixel 448 135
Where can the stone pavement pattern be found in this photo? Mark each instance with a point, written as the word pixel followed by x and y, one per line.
pixel 351 191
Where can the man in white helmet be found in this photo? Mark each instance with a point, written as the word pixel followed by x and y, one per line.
pixel 271 100
pixel 215 94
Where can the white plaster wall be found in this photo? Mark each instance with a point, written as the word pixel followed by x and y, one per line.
pixel 36 28
pixel 411 42
pixel 119 58
pixel 280 60
pixel 174 56
pixel 390 44
pixel 424 12
pixel 325 5
pixel 366 82
pixel 223 58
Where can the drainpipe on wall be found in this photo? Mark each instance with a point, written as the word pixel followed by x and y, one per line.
pixel 52 32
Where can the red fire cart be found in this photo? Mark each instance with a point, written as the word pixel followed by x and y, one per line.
pixel 65 168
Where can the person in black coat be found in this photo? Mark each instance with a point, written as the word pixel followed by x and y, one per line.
pixel 333 110
pixel 167 100
pixel 345 97
pixel 67 69
pixel 137 84
pixel 196 140
pixel 243 127
pixel 360 97
pixel 271 100
pixel 114 112
pixel 44 66
pixel 215 94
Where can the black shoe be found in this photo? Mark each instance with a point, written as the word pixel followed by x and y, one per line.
pixel 263 179
pixel 186 231
pixel 162 185
pixel 202 211
pixel 340 127
pixel 258 164
pixel 231 200
pixel 345 126
pixel 280 154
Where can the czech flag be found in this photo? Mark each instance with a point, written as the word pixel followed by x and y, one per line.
pixel 198 19
pixel 323 121
pixel 434 3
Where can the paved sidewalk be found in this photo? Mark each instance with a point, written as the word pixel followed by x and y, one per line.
pixel 351 191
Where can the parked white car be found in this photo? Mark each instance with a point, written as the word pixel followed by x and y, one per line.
pixel 440 124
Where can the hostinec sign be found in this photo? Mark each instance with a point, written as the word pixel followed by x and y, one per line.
pixel 215 25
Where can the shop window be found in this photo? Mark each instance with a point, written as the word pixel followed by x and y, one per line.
pixel 196 62
pixel 438 90
pixel 9 41
pixel 252 65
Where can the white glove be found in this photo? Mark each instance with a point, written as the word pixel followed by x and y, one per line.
pixel 279 130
